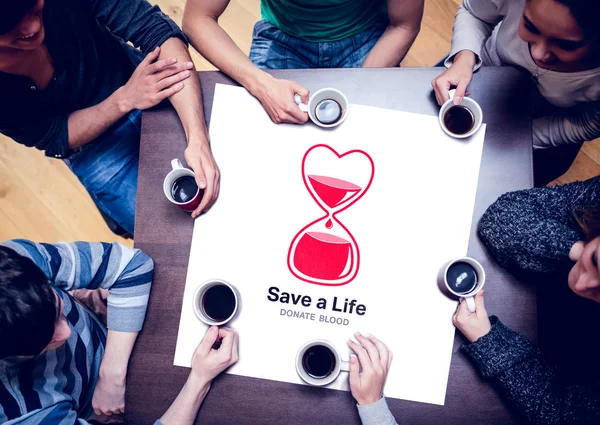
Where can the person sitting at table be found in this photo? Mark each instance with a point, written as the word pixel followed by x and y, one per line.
pixel 558 43
pixel 72 87
pixel 369 368
pixel 58 362
pixel 304 34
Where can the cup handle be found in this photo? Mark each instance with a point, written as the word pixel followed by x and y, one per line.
pixel 344 366
pixel 298 100
pixel 451 93
pixel 176 163
pixel 470 304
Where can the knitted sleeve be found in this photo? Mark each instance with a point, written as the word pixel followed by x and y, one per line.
pixel 533 230
pixel 531 386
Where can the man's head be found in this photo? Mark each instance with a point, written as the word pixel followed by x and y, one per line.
pixel 31 317
pixel 21 25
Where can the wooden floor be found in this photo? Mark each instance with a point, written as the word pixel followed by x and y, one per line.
pixel 41 200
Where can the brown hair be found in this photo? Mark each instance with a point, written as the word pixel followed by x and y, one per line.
pixel 589 220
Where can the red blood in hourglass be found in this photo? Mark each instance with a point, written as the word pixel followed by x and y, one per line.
pixel 329 224
pixel 322 256
pixel 333 191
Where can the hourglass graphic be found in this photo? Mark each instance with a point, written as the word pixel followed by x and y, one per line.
pixel 324 252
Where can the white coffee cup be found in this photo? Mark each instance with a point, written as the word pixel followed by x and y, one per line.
pixel 178 171
pixel 316 98
pixel 470 295
pixel 468 103
pixel 199 307
pixel 338 367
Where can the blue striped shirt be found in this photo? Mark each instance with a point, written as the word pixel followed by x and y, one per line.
pixel 57 386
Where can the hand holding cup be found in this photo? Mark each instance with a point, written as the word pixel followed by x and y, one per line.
pixel 473 325
pixel 208 362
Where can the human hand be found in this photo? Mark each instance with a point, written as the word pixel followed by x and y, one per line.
pixel 109 394
pixel 472 325
pixel 277 98
pixel 208 362
pixel 584 277
pixel 375 359
pixel 153 81
pixel 199 157
pixel 459 74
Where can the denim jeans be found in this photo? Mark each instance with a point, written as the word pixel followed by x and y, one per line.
pixel 108 168
pixel 273 49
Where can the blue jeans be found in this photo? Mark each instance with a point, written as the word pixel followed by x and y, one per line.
pixel 273 49
pixel 108 168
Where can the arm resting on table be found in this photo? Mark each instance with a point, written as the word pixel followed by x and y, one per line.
pixel 377 413
pixel 520 373
pixel 579 127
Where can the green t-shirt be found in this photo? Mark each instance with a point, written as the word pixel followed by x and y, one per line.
pixel 323 20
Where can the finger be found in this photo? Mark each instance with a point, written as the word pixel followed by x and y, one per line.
pixel 296 115
pixel 160 65
pixel 302 91
pixel 354 371
pixel 587 257
pixel 206 197
pixel 461 88
pixel 369 346
pixel 210 337
pixel 390 358
pixel 168 92
pixel 362 354
pixel 172 70
pixel 480 305
pixel 228 336
pixel 235 349
pixel 441 88
pixel 216 186
pixel 174 79
pixel 384 352
pixel 97 411
pixel 151 57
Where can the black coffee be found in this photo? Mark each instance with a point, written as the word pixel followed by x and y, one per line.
pixel 461 277
pixel 328 111
pixel 318 361
pixel 218 302
pixel 184 189
pixel 459 119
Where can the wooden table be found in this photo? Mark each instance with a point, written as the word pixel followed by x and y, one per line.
pixel 165 233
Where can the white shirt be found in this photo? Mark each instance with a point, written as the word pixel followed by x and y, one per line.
pixel 567 109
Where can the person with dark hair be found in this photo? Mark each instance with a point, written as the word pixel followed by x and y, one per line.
pixel 548 234
pixel 59 364
pixel 558 43
pixel 296 34
pixel 73 87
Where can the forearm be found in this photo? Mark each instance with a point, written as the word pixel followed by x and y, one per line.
pixel 188 101
pixel 87 124
pixel 219 49
pixel 391 47
pixel 119 346
pixel 580 126
pixel 184 409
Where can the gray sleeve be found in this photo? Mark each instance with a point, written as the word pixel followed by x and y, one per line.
pixel 377 413
pixel 473 25
pixel 580 126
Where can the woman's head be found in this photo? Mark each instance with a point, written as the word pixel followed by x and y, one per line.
pixel 563 35
pixel 584 278
pixel 21 25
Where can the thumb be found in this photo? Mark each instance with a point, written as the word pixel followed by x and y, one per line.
pixel 199 175
pixel 354 370
pixel 210 337
pixel 301 90
pixel 480 304
pixel 151 57
pixel 461 88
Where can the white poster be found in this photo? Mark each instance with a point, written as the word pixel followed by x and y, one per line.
pixel 359 219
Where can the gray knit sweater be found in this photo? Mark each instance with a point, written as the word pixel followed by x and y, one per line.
pixel 533 230
pixel 530 385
